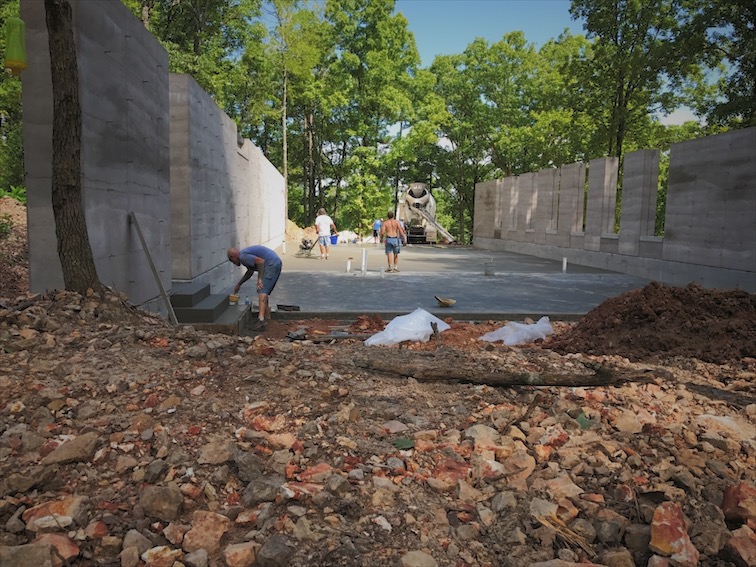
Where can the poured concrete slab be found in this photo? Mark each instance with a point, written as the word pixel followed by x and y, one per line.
pixel 521 286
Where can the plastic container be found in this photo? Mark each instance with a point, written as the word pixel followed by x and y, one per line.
pixel 334 238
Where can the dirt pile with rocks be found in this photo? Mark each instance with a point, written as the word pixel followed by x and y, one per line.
pixel 125 441
pixel 664 321
pixel 14 253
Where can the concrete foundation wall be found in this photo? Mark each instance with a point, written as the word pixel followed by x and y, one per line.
pixel 153 144
pixel 224 191
pixel 710 222
pixel 123 74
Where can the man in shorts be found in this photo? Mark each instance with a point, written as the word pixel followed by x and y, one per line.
pixel 394 235
pixel 323 226
pixel 268 266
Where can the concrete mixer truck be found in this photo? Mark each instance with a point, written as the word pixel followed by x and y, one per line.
pixel 417 208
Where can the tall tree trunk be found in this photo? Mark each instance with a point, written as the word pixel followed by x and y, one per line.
pixel 74 250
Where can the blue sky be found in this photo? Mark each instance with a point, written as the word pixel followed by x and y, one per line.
pixel 445 27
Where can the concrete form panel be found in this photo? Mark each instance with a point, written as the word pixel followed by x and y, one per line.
pixel 525 189
pixel 45 272
pixel 115 161
pixel 511 191
pixel 710 230
pixel 487 209
pixel 712 184
pixel 571 189
pixel 222 194
pixel 544 217
pixel 639 193
pixel 602 198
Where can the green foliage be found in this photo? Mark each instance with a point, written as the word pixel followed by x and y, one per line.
pixel 11 133
pixel 725 30
pixel 15 192
pixel 637 57
pixel 340 82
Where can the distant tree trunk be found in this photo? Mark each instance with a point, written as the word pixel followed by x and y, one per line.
pixel 285 146
pixel 309 167
pixel 74 250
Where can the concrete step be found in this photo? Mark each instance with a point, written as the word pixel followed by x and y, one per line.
pixel 206 311
pixel 231 322
pixel 188 294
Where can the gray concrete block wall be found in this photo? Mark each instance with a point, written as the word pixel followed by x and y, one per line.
pixel 509 197
pixel 571 189
pixel 152 143
pixel 711 216
pixel 602 198
pixel 544 204
pixel 487 205
pixel 639 191
pixel 123 75
pixel 223 194
pixel 44 264
pixel 180 177
pixel 710 224
pixel 522 205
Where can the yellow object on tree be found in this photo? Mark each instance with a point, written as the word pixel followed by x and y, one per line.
pixel 15 45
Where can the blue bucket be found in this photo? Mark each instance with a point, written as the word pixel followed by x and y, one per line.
pixel 334 238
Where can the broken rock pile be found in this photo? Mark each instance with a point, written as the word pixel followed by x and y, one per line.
pixel 124 441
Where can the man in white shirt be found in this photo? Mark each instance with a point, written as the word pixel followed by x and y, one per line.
pixel 323 225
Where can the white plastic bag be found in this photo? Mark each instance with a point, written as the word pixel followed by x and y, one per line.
pixel 412 327
pixel 519 333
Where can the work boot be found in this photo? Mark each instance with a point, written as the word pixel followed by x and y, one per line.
pixel 259 325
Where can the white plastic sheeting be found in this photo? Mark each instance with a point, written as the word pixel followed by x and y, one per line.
pixel 415 326
pixel 519 333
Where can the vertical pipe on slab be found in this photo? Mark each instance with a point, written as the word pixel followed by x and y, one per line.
pixel 364 261
pixel 564 264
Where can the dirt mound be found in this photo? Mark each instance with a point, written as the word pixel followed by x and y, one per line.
pixel 710 325
pixel 14 253
pixel 295 233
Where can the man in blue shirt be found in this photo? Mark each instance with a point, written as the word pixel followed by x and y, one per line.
pixel 376 230
pixel 268 266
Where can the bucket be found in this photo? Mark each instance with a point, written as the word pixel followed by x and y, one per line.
pixel 334 238
pixel 489 268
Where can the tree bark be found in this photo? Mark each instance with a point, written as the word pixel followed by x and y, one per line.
pixel 74 250
pixel 432 367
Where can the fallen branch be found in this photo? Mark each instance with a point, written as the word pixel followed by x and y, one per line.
pixel 427 367
pixel 336 337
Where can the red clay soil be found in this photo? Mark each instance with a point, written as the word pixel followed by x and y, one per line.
pixel 664 321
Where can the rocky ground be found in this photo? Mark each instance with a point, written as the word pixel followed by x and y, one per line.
pixel 125 441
